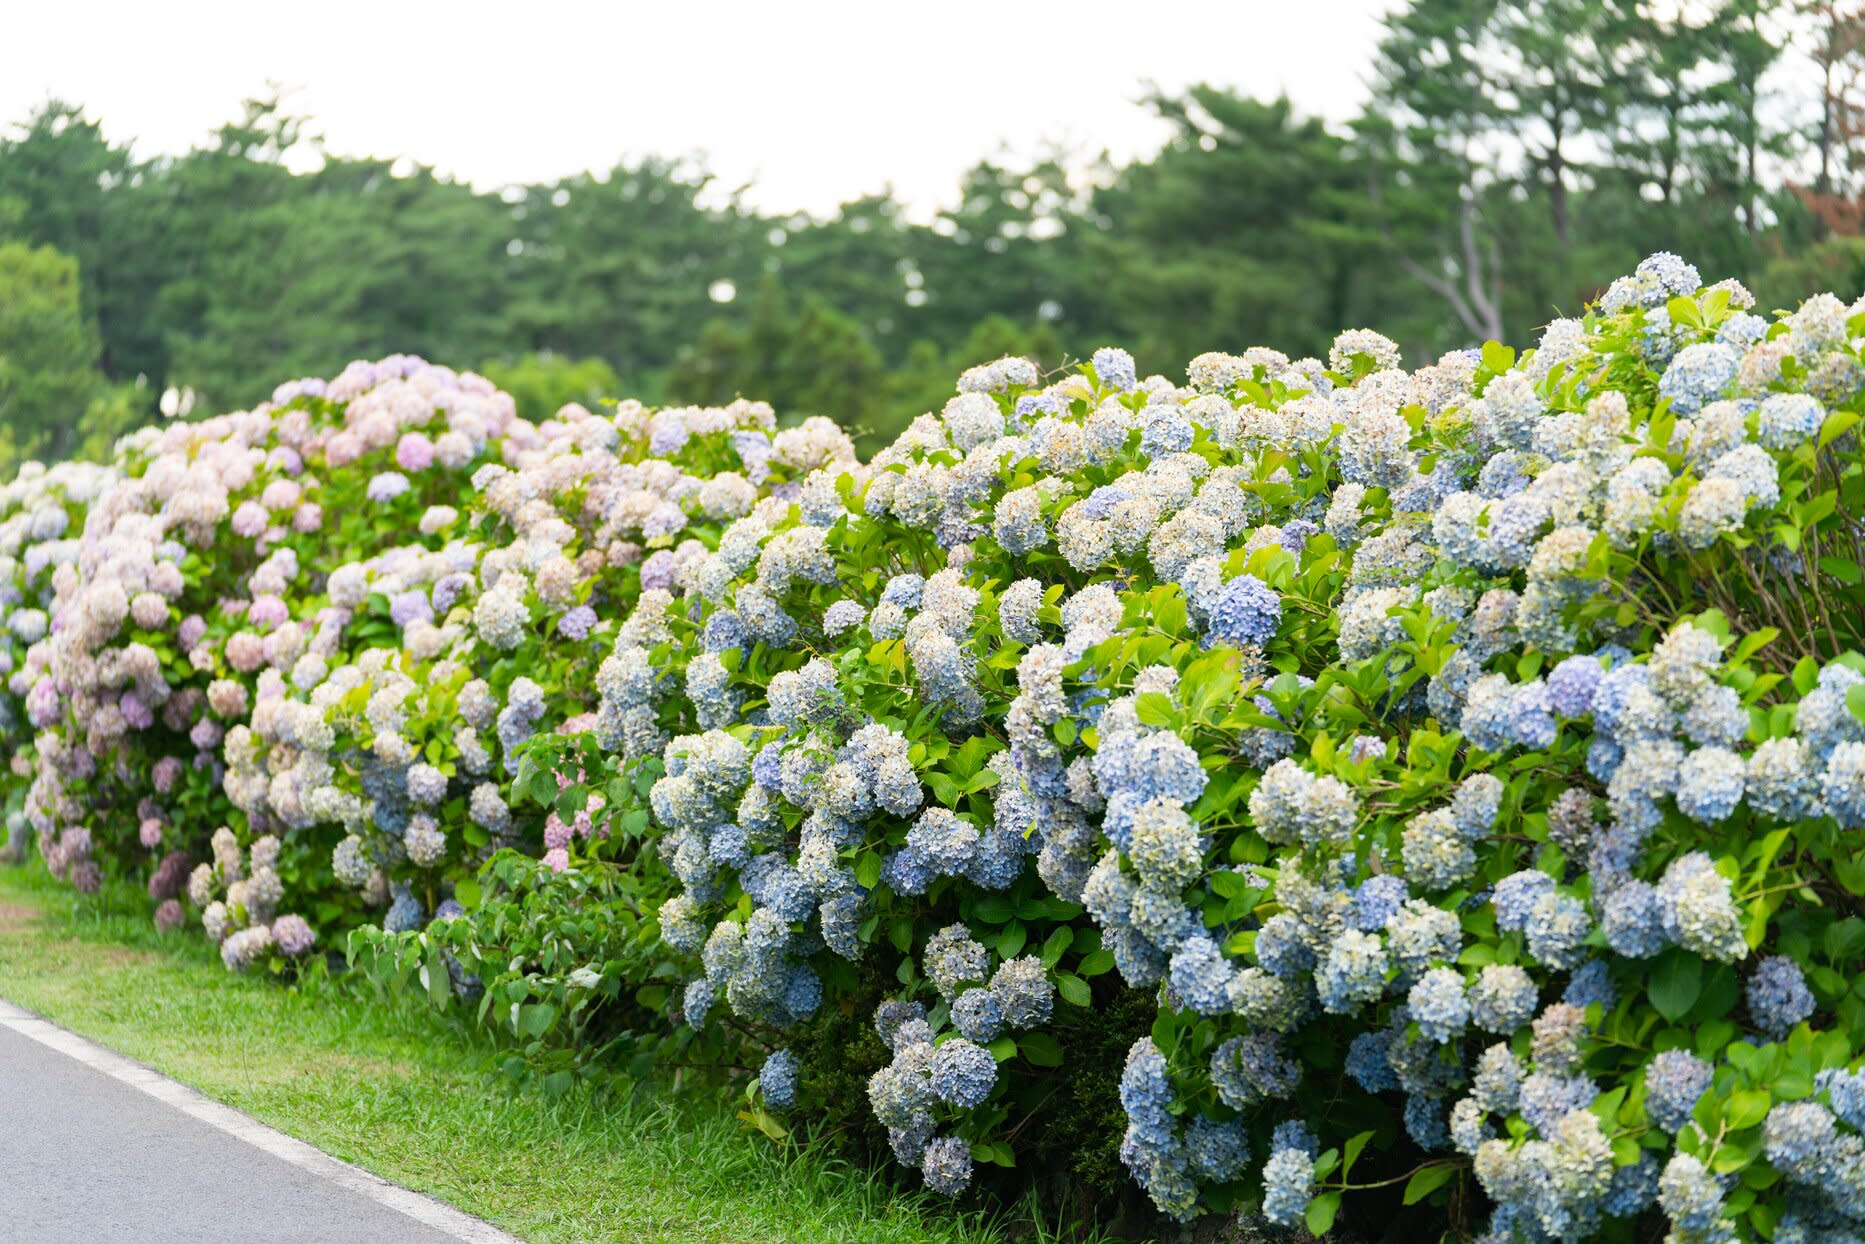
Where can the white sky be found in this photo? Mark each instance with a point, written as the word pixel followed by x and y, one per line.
pixel 814 103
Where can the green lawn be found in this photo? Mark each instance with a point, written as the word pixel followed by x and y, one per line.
pixel 398 1090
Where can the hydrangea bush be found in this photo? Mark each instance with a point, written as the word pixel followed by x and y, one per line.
pixel 1462 766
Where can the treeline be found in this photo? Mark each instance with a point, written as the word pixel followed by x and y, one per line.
pixel 1514 156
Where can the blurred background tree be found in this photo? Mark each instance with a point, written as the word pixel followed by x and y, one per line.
pixel 1514 156
pixel 54 399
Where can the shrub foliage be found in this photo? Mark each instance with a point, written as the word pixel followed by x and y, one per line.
pixel 1313 785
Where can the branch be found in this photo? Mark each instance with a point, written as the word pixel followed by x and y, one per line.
pixel 1478 317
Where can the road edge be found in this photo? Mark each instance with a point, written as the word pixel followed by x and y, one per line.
pixel 307 1157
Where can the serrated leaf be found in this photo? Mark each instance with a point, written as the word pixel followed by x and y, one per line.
pixel 1074 989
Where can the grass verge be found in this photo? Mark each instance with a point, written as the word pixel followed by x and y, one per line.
pixel 397 1089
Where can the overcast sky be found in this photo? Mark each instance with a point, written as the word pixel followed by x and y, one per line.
pixel 813 103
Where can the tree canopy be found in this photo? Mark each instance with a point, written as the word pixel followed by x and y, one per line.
pixel 1513 156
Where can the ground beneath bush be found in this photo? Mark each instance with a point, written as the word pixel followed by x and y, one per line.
pixel 408 1097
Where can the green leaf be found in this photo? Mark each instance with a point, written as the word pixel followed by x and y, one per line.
pixel 1057 945
pixel 1843 569
pixel 1155 708
pixel 1747 1107
pixel 435 970
pixel 1497 357
pixel 1806 674
pixel 1836 426
pixel 1095 962
pixel 868 869
pixel 467 893
pixel 1354 1146
pixel 535 1020
pixel 1675 982
pixel 765 1122
pixel 1428 1180
pixel 1321 1211
pixel 1074 989
pixel 993 909
pixel 1040 1048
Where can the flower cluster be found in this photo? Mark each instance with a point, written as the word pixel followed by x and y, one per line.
pixel 1473 744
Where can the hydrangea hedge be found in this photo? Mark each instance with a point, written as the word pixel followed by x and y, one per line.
pixel 1458 772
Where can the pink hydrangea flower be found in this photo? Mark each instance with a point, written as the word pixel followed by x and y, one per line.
pixel 192 628
pixel 267 612
pixel 136 712
pixel 343 448
pixel 167 770
pixel 149 610
pixel 245 651
pixel 414 452
pixel 293 935
pixel 250 519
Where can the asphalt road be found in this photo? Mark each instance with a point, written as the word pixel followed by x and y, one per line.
pixel 95 1149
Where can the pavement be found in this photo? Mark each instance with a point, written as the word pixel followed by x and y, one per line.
pixel 96 1149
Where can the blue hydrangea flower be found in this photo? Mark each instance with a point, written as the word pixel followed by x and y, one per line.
pixel 946 1165
pixel 1199 976
pixel 1515 897
pixel 1439 1006
pixel 1115 368
pixel 1502 999
pixel 1166 432
pixel 1572 684
pixel 1556 928
pixel 1846 1091
pixel 962 1073
pixel 1353 973
pixel 1692 1197
pixel 1698 375
pixel 1246 612
pixel 1288 1181
pixel 1778 997
pixel 1376 900
pixel 777 1079
pixel 1674 1080
pixel 1788 419
pixel 843 615
pixel 977 1015
pixel 1368 1063
pixel 1591 982
pixel 1710 783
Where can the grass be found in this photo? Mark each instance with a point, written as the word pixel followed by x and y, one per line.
pixel 396 1089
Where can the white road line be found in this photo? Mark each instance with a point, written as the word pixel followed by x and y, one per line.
pixel 461 1226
